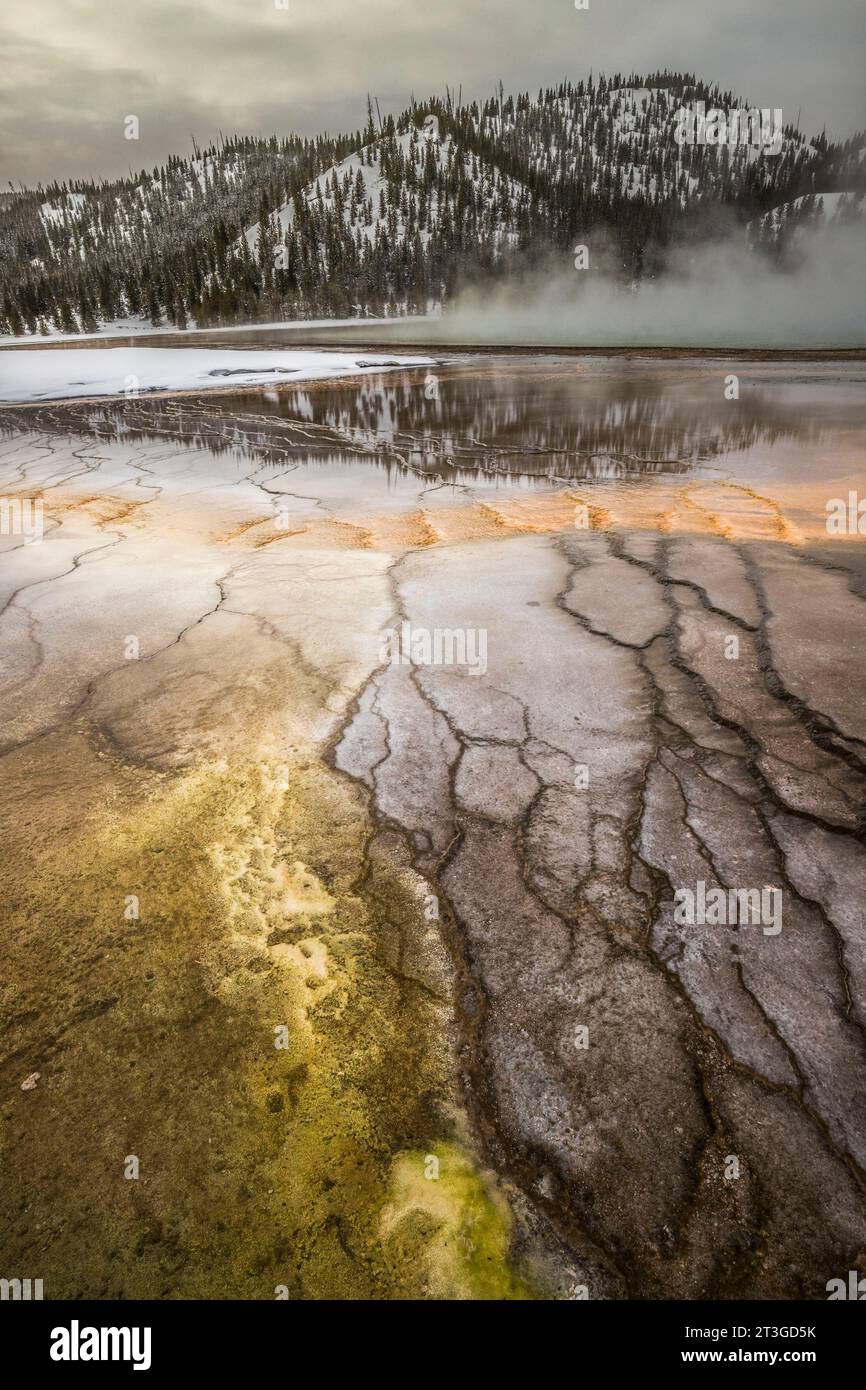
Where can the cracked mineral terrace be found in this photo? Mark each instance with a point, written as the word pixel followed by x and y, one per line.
pixel 374 967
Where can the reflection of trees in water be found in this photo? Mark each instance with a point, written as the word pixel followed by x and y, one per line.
pixel 468 423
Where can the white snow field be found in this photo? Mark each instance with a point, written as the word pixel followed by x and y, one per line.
pixel 58 374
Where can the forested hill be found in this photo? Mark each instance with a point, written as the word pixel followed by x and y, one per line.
pixel 398 216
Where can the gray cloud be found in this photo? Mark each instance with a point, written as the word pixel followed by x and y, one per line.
pixel 74 68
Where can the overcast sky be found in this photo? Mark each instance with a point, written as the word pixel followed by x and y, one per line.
pixel 72 70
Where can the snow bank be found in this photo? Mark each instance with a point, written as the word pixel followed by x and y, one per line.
pixel 58 373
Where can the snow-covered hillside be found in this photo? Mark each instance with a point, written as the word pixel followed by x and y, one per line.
pixel 816 209
pixel 399 217
pixel 358 190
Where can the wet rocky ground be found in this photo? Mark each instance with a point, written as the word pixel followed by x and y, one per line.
pixel 338 966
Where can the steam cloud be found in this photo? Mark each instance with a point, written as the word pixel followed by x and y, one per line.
pixel 721 295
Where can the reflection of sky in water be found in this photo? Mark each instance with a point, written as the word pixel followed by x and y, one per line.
pixel 514 422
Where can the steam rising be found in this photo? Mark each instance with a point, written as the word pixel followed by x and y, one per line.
pixel 719 295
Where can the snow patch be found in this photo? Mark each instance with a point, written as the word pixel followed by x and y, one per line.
pixel 34 375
